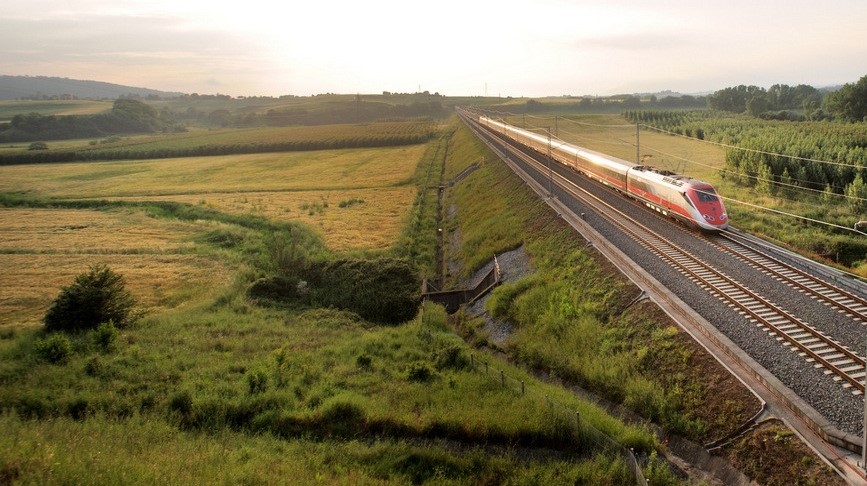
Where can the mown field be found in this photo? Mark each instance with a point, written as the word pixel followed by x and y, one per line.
pixel 357 198
pixel 217 383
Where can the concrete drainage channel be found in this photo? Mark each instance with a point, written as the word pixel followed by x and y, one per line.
pixel 452 300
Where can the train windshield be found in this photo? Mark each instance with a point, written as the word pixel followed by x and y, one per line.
pixel 706 194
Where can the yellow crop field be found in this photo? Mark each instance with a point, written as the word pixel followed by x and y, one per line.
pixel 319 170
pixel 374 186
pixel 31 281
pixel 85 231
pixel 368 218
pixel 42 250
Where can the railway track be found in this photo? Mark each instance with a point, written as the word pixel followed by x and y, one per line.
pixel 843 365
pixel 844 301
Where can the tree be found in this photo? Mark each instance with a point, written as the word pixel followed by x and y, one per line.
pixel 764 179
pixel 94 297
pixel 757 105
pixel 734 99
pixel 857 190
pixel 849 102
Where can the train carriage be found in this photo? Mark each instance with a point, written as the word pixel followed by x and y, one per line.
pixel 673 195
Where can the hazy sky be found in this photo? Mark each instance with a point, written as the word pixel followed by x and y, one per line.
pixel 455 47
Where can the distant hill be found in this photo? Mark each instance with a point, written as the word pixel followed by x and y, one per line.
pixel 43 87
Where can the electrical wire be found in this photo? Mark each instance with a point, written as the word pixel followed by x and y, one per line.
pixel 794 157
pixel 756 178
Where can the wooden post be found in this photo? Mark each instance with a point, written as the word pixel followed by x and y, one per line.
pixel 502 378
pixel 522 387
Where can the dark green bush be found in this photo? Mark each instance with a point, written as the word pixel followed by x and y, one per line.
pixel 363 362
pixel 381 290
pixel 105 336
pixel 451 357
pixel 419 372
pixel 56 348
pixel 96 296
pixel 278 289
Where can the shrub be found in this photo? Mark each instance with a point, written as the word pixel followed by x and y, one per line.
pixel 451 357
pixel 181 402
pixel 55 348
pixel 278 289
pixel 96 296
pixel 105 336
pixel 38 146
pixel 363 362
pixel 419 372
pixel 383 290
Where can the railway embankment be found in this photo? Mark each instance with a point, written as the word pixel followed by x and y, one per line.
pixel 507 333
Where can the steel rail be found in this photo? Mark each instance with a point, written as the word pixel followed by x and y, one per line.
pixel 810 287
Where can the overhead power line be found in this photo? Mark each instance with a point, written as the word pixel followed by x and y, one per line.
pixel 720 144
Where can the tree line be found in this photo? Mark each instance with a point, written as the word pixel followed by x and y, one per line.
pixel 129 116
pixel 795 103
pixel 126 116
pixel 359 111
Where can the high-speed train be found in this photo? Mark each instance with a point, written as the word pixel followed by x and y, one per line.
pixel 677 196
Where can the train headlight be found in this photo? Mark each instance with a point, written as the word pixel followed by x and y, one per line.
pixel 708 217
pixel 723 217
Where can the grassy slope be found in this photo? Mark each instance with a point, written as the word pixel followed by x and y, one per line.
pixel 224 391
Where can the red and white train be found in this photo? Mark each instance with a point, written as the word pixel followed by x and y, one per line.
pixel 680 197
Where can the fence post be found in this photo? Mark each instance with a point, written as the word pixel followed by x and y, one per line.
pixel 577 418
pixel 522 387
pixel 473 360
pixel 502 378
pixel 486 367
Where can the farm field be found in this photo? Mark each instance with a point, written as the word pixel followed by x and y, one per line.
pixel 41 250
pixel 319 170
pixel 9 108
pixel 200 137
pixel 349 219
pixel 357 198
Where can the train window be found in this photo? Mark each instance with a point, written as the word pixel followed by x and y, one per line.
pixel 706 195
